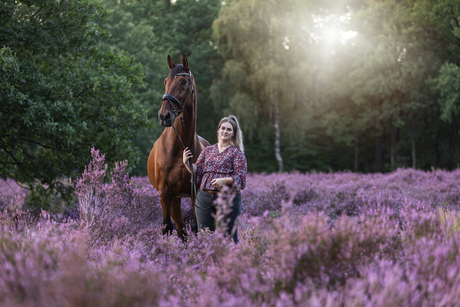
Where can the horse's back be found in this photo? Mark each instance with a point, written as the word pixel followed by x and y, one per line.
pixel 203 142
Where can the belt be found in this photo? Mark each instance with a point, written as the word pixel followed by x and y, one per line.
pixel 211 191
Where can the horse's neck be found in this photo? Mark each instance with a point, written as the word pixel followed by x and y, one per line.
pixel 190 125
pixel 189 136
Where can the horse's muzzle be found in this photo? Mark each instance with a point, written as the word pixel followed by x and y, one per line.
pixel 166 120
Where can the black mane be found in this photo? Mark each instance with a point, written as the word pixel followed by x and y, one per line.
pixel 176 70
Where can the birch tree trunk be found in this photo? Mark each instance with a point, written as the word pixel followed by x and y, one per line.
pixel 279 158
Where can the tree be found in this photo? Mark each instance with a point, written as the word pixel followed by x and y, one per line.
pixel 400 47
pixel 62 92
pixel 269 80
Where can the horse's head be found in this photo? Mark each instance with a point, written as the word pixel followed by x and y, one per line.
pixel 179 92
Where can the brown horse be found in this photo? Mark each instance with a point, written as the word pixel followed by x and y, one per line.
pixel 166 171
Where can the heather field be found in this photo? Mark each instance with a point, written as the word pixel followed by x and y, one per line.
pixel 338 239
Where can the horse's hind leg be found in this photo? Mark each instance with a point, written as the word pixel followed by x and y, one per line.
pixel 189 217
pixel 166 206
pixel 176 214
pixel 194 223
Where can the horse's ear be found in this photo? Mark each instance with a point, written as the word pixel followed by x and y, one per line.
pixel 171 63
pixel 184 62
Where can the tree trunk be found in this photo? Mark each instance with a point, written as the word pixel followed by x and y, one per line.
pixel 356 154
pixel 279 159
pixel 378 155
pixel 392 148
pixel 412 138
pixel 438 154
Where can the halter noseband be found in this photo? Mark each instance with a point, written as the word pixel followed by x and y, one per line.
pixel 179 103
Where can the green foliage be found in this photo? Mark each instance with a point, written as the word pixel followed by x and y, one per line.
pixel 57 200
pixel 448 84
pixel 380 94
pixel 62 91
pixel 269 66
pixel 72 76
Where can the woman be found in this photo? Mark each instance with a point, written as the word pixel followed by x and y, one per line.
pixel 220 164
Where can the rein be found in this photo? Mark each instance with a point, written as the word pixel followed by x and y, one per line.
pixel 181 107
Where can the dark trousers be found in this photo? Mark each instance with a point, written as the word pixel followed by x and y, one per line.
pixel 205 209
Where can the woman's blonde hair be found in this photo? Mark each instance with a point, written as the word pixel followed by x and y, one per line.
pixel 237 139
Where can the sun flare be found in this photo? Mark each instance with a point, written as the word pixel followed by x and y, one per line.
pixel 329 28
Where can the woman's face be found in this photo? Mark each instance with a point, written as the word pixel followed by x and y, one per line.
pixel 225 131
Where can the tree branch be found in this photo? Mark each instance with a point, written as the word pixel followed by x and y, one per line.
pixel 37 12
pixel 17 162
pixel 37 143
pixel 81 93
pixel 453 15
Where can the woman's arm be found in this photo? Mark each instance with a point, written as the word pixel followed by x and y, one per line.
pixel 238 178
pixel 240 170
pixel 219 182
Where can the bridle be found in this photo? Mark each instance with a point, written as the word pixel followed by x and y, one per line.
pixel 181 105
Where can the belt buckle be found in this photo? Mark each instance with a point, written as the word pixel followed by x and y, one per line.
pixel 212 192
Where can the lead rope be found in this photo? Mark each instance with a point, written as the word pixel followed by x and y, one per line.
pixel 193 185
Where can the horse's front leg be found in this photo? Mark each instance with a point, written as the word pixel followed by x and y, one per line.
pixel 176 214
pixel 166 206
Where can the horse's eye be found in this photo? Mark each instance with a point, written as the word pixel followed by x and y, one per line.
pixel 184 82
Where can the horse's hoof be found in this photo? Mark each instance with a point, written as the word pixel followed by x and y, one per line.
pixel 194 225
pixel 184 237
pixel 167 229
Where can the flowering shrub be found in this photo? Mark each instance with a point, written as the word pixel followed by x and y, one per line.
pixel 118 209
pixel 338 239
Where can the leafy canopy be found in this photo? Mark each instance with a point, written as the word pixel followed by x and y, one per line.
pixel 61 91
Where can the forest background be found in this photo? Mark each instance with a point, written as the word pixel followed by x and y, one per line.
pixel 360 85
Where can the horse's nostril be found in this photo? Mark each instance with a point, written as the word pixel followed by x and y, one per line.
pixel 168 116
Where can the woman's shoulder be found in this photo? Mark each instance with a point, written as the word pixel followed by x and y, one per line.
pixel 236 150
pixel 208 149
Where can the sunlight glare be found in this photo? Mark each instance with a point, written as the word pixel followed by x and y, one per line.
pixel 328 29
pixel 286 43
pixel 346 35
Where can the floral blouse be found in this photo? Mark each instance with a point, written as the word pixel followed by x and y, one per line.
pixel 229 163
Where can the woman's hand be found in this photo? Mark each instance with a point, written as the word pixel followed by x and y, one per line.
pixel 186 156
pixel 218 182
